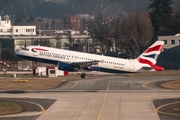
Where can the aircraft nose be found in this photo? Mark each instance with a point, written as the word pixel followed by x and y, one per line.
pixel 18 52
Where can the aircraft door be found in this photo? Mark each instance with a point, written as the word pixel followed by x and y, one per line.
pixel 36 53
pixel 132 65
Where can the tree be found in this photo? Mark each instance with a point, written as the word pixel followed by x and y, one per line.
pixel 133 49
pixel 116 30
pixel 161 13
pixel 175 22
pixel 99 28
pixel 137 26
pixel 53 23
pixel 21 19
pixel 30 20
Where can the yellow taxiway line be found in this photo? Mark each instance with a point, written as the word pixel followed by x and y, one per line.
pixel 105 96
pixel 160 107
pixel 74 84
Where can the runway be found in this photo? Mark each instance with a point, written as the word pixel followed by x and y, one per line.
pixel 116 82
pixel 104 97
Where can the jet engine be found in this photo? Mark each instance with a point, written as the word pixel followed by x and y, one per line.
pixel 67 67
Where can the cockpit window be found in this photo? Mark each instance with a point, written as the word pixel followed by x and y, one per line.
pixel 26 49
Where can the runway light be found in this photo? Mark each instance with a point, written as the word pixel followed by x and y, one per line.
pixel 176 109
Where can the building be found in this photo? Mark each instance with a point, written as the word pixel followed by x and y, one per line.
pixel 6 29
pixel 23 30
pixel 72 22
pixel 13 38
pixel 170 41
pixel 170 56
pixel 67 32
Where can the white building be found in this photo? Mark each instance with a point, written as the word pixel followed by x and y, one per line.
pixel 170 41
pixel 23 30
pixel 6 29
pixel 67 32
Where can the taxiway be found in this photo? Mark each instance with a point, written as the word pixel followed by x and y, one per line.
pixel 106 97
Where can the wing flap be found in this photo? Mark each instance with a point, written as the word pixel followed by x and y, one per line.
pixel 82 64
pixel 85 63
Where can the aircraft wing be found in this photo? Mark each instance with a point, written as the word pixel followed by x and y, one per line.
pixel 85 63
pixel 82 64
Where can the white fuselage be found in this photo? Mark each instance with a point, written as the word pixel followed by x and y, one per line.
pixel 53 55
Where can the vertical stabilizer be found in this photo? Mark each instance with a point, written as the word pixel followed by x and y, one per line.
pixel 150 55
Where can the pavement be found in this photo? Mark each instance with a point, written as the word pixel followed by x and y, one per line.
pixel 105 97
pixel 33 108
pixel 168 109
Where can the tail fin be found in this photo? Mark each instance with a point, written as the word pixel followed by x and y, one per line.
pixel 150 55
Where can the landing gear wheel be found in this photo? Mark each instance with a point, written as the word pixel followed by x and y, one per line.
pixel 83 75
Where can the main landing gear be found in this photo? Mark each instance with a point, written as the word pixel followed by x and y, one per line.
pixel 83 75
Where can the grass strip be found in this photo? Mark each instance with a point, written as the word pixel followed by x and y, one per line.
pixel 173 84
pixel 7 108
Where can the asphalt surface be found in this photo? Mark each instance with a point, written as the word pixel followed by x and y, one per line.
pixel 168 109
pixel 34 117
pixel 100 83
pixel 29 106
pixel 127 83
pixel 117 82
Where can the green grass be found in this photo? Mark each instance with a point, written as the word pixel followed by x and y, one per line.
pixel 9 108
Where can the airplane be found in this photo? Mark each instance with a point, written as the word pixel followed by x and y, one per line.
pixel 72 61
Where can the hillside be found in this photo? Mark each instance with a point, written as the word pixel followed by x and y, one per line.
pixel 52 8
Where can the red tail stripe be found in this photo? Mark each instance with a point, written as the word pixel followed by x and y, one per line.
pixel 155 67
pixel 145 62
pixel 155 48
pixel 158 68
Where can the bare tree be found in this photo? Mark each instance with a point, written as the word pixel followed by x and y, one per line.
pixel 99 28
pixel 71 42
pixel 138 27
pixel 58 42
pixel 116 31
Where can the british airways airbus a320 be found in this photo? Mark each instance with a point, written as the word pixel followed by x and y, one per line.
pixel 77 61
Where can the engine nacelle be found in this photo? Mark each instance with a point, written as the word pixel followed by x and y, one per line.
pixel 67 67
